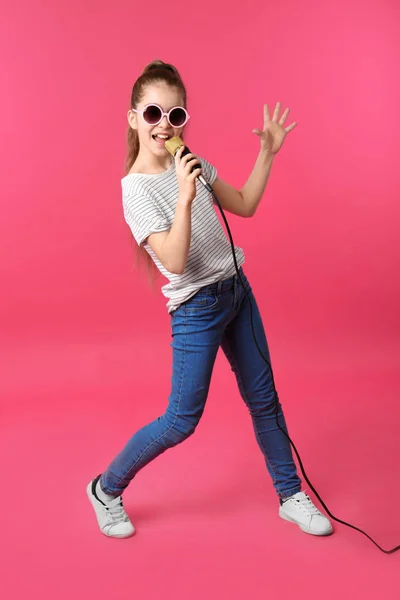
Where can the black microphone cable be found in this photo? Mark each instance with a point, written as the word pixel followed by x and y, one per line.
pixel 392 550
pixel 172 146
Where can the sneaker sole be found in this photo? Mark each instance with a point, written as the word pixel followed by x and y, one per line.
pixel 92 502
pixel 304 528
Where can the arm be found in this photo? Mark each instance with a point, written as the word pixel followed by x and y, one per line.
pixel 244 202
pixel 254 187
pixel 172 247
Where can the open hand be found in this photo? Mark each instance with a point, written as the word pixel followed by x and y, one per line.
pixel 274 133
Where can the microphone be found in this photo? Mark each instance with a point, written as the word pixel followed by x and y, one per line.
pixel 173 145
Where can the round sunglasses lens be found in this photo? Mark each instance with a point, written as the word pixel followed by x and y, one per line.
pixel 152 114
pixel 177 117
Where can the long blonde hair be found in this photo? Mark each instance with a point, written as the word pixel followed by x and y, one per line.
pixel 155 72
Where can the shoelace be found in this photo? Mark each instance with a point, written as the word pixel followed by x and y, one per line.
pixel 308 506
pixel 116 512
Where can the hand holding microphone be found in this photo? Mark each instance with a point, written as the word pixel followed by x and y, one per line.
pixel 187 167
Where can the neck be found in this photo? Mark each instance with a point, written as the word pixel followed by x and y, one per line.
pixel 149 164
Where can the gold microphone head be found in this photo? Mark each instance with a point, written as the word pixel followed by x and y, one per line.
pixel 173 145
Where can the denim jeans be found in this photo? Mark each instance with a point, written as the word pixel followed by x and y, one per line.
pixel 217 315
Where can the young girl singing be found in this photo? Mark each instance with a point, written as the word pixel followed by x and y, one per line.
pixel 174 222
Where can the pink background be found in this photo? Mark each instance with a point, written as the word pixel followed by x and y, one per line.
pixel 85 356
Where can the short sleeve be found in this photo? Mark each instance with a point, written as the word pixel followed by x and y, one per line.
pixel 143 217
pixel 209 171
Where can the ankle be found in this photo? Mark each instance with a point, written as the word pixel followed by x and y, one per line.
pixel 102 495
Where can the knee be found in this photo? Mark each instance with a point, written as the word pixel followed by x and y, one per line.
pixel 184 428
pixel 179 430
pixel 264 405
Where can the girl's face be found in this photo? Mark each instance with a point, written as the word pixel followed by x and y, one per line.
pixel 166 97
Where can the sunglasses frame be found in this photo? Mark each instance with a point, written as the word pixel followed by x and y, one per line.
pixel 163 114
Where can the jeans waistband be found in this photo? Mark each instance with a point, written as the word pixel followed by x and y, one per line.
pixel 223 284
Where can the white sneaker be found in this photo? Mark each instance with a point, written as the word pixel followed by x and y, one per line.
pixel 300 510
pixel 111 516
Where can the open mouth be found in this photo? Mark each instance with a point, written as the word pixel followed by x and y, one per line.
pixel 160 137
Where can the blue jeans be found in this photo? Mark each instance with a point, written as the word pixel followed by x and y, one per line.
pixel 218 315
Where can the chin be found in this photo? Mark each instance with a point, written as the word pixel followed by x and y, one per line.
pixel 162 151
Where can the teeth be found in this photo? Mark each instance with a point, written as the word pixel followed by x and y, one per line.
pixel 162 136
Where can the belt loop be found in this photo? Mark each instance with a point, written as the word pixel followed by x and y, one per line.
pixel 219 286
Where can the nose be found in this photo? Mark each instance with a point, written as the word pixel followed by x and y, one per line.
pixel 164 121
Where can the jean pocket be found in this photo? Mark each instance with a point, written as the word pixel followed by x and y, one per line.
pixel 202 300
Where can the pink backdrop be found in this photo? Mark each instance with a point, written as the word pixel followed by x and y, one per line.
pixel 82 334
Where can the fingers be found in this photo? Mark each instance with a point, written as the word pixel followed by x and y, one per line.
pixel 187 162
pixel 276 111
pixel 195 174
pixel 183 160
pixel 274 119
pixel 292 126
pixel 266 114
pixel 178 154
pixel 187 158
pixel 284 117
pixel 188 169
pixel 276 114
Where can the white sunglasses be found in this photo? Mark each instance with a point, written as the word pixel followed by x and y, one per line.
pixel 154 114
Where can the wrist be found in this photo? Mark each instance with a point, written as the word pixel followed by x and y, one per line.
pixel 183 201
pixel 266 156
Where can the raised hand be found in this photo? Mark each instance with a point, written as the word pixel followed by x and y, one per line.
pixel 274 133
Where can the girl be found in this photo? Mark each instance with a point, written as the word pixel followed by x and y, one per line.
pixel 173 220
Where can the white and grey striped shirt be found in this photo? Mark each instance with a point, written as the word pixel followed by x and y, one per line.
pixel 149 204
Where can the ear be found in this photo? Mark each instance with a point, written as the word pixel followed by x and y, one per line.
pixel 132 119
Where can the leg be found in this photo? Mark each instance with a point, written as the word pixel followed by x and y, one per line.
pixel 196 334
pixel 256 388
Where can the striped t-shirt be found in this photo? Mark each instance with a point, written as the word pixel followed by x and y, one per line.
pixel 149 204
